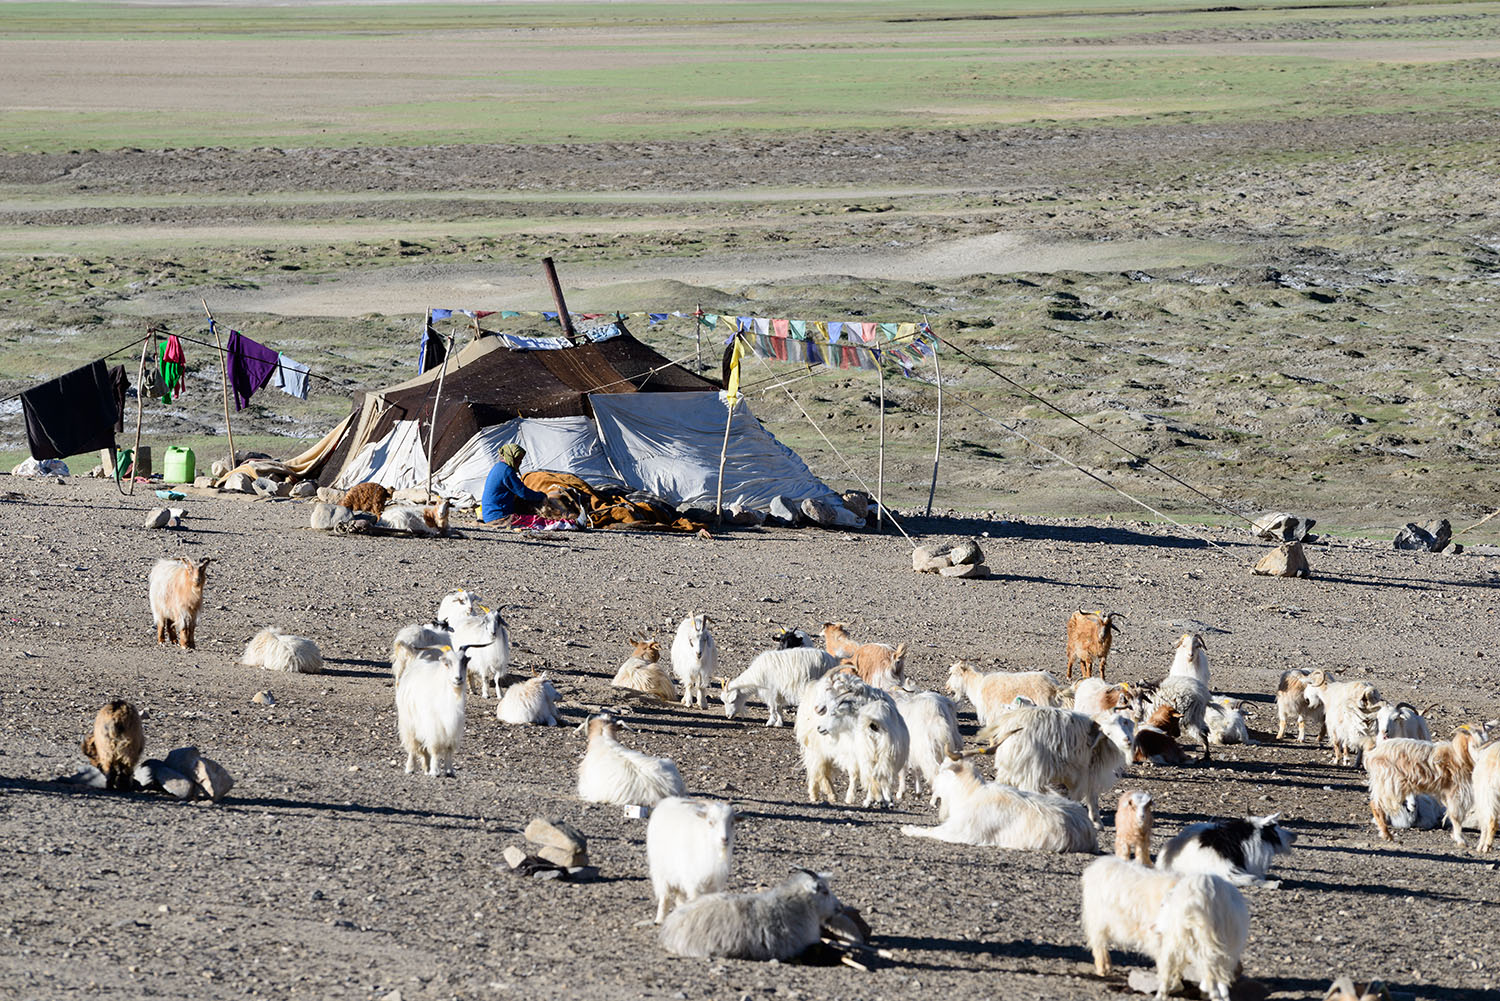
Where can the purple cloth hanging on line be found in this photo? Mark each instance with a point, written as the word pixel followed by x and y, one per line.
pixel 250 367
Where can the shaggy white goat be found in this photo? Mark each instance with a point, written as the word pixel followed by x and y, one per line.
pixel 780 923
pixel 1039 747
pixel 458 605
pixel 409 643
pixel 695 658
pixel 1190 659
pixel 689 847
pixel 485 635
pixel 1001 816
pixel 531 701
pixel 1399 768
pixel 275 650
pixel 430 702
pixel 1226 721
pixel 871 739
pixel 776 676
pixel 1185 923
pixel 1092 696
pixel 1486 791
pixel 1191 699
pixel 993 694
pixel 1349 709
pixel 932 725
pixel 610 772
pixel 1400 720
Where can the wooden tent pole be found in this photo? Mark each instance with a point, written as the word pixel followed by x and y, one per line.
pixel 224 371
pixel 698 334
pixel 723 455
pixel 140 402
pixel 880 469
pixel 557 295
pixel 432 421
pixel 937 440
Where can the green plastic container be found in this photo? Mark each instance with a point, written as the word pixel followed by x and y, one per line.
pixel 180 465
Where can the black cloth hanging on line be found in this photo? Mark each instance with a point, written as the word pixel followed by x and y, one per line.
pixel 75 413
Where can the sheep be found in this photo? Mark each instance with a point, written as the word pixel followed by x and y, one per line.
pixel 993 814
pixel 695 658
pixel 776 676
pixel 1089 637
pixel 780 923
pixel 932 723
pixel 992 694
pixel 1190 658
pixel 1037 747
pixel 531 701
pixel 1091 696
pixel 371 497
pixel 689 848
pixel 431 697
pixel 275 650
pixel 1226 722
pixel 642 672
pixel 1486 793
pixel 613 773
pixel 1349 710
pixel 1180 921
pixel 1401 720
pixel 1133 816
pixel 176 597
pixel 1400 767
pixel 878 664
pixel 1292 704
pixel 1239 850
pixel 116 744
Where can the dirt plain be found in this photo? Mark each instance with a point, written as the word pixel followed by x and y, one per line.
pixel 1297 313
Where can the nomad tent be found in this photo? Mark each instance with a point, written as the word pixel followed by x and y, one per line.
pixel 608 409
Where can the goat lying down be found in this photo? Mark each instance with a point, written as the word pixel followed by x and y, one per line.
pixel 996 815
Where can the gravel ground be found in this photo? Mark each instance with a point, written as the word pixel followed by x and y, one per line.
pixel 329 873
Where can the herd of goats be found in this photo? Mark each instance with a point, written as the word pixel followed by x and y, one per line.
pixel 1054 749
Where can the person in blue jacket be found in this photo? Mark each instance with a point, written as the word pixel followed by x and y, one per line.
pixel 504 493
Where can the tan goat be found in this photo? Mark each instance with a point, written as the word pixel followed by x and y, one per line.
pixel 642 672
pixel 116 743
pixel 1133 826
pixel 176 597
pixel 878 664
pixel 1089 637
pixel 1400 767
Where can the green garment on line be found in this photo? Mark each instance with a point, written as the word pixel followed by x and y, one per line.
pixel 171 373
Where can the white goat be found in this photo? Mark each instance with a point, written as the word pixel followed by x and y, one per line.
pixel 1001 816
pixel 776 676
pixel 411 640
pixel 1039 747
pixel 689 847
pixel 1292 703
pixel 457 605
pixel 610 772
pixel 993 694
pixel 430 702
pixel 531 701
pixel 1349 712
pixel 1486 792
pixel 1120 729
pixel 1188 924
pixel 695 658
pixel 1190 658
pixel 275 650
pixel 856 727
pixel 485 635
pixel 932 724
pixel 1400 720
pixel 1092 696
pixel 1399 768
pixel 1226 721
pixel 780 923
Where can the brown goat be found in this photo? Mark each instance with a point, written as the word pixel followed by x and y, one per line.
pixel 176 597
pixel 878 664
pixel 1089 637
pixel 371 497
pixel 1400 767
pixel 116 744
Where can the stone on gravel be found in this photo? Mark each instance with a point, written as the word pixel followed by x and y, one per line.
pixel 1432 537
pixel 219 468
pixel 158 518
pixel 971 570
pixel 326 517
pixel 1279 526
pixel 1286 560
pixel 514 856
pixel 90 778
pixel 820 512
pixel 965 551
pixel 931 557
pixel 330 494
pixel 568 858
pixel 782 510
pixel 858 503
pixel 306 488
pixel 155 774
pixel 556 834
pixel 265 486
pixel 739 514
pixel 212 779
pixel 238 483
pixel 263 698
pixel 203 482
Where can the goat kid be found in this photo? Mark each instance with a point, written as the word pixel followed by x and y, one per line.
pixel 176 597
pixel 689 849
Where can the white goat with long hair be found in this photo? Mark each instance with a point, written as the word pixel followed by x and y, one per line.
pixel 689 848
pixel 780 923
pixel 932 724
pixel 1486 792
pixel 1001 816
pixel 530 701
pixel 993 694
pixel 1037 748
pixel 1398 768
pixel 776 676
pixel 1193 924
pixel 1349 709
pixel 431 698
pixel 610 772
pixel 856 727
pixel 695 658
pixel 275 650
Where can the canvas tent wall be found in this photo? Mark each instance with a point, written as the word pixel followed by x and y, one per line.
pixel 612 412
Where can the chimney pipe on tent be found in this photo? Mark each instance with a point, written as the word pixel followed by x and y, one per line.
pixel 562 307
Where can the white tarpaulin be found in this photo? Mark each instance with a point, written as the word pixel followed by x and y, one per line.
pixel 561 444
pixel 397 460
pixel 668 444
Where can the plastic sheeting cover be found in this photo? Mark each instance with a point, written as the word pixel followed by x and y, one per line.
pixel 562 444
pixel 668 443
pixel 395 461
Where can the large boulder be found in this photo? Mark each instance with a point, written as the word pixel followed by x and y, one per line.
pixel 820 512
pixel 965 551
pixel 858 502
pixel 211 780
pixel 783 510
pixel 1279 526
pixel 238 483
pixel 1286 560
pixel 1433 537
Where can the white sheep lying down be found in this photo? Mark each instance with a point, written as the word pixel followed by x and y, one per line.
pixel 689 848
pixel 996 815
pixel 776 677
pixel 780 923
pixel 1189 924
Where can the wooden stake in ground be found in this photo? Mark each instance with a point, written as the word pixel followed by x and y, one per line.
pixel 698 334
pixel 432 422
pixel 224 370
pixel 937 441
pixel 140 401
pixel 880 468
